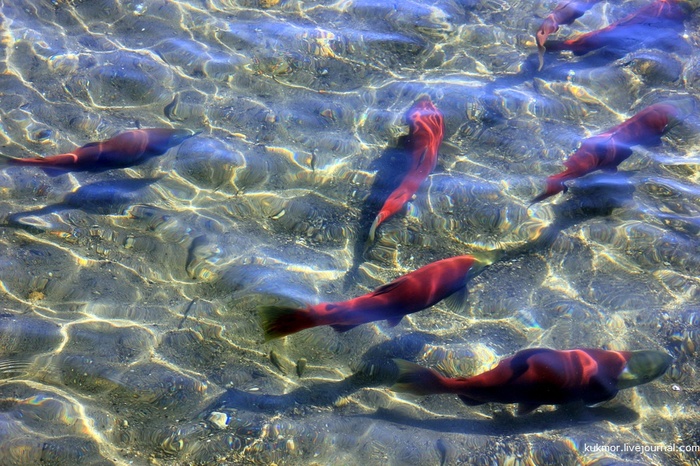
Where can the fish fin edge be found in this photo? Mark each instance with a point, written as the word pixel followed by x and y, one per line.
pixel 469 401
pixel 526 408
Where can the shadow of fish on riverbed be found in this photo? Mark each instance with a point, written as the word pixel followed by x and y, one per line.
pixel 391 167
pixel 101 198
pixel 595 195
pixel 378 369
pixel 575 414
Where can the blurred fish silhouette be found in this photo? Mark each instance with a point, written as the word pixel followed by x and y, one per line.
pixel 426 130
pixel 565 12
pixel 124 150
pixel 655 25
pixel 607 150
pixel 102 198
pixel 407 294
pixel 542 376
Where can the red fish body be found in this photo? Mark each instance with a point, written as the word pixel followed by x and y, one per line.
pixel 124 150
pixel 426 130
pixel 542 376
pixel 633 28
pixel 565 12
pixel 607 150
pixel 407 294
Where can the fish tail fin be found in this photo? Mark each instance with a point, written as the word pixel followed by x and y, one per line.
pixel 683 107
pixel 6 160
pixel 373 229
pixel 554 185
pixel 418 380
pixel 280 321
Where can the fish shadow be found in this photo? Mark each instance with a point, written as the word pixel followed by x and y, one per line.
pixel 592 196
pixel 376 368
pixel 101 198
pixel 390 167
pixel 566 416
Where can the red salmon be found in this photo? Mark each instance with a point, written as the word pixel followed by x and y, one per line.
pixel 124 150
pixel 410 293
pixel 633 28
pixel 565 12
pixel 425 133
pixel 542 376
pixel 607 150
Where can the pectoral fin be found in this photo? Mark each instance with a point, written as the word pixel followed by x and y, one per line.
pixel 468 401
pixel 342 328
pixel 526 408
pixel 596 405
pixel 53 171
pixel 457 301
pixel 394 321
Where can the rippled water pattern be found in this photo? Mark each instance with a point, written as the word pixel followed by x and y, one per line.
pixel 129 329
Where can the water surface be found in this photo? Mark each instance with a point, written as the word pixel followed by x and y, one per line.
pixel 129 330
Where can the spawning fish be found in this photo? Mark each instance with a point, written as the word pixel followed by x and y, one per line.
pixel 542 376
pixel 632 31
pixel 426 130
pixel 123 150
pixel 407 294
pixel 565 12
pixel 607 150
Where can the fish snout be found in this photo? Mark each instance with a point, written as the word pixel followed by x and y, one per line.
pixel 181 135
pixel 642 367
pixel 548 27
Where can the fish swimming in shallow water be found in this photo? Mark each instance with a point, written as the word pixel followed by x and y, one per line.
pixel 565 12
pixel 407 294
pixel 426 130
pixel 609 149
pixel 123 150
pixel 542 376
pixel 644 26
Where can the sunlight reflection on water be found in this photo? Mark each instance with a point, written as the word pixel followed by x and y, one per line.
pixel 129 331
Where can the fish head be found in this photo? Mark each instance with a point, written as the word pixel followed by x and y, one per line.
pixel 642 367
pixel 179 135
pixel 160 140
pixel 548 27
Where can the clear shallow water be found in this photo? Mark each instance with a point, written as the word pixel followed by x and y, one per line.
pixel 129 331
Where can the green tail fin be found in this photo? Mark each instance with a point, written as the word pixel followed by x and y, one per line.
pixel 417 379
pixel 280 321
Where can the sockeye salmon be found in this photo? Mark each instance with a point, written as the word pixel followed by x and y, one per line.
pixel 426 130
pixel 609 149
pixel 565 12
pixel 407 294
pixel 124 150
pixel 644 26
pixel 542 376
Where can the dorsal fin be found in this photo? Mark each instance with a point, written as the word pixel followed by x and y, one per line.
pixel 389 286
